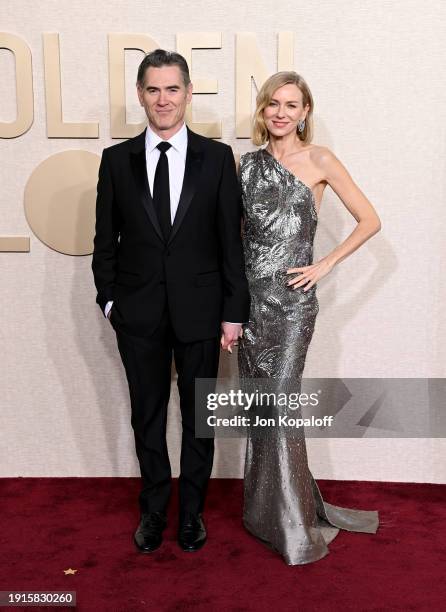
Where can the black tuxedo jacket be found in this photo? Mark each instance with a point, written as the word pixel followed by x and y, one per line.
pixel 198 274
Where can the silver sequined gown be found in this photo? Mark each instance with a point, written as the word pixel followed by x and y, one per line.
pixel 282 503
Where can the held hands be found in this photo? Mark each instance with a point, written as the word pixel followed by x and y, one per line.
pixel 309 275
pixel 230 332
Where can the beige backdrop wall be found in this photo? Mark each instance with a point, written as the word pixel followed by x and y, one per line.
pixel 375 70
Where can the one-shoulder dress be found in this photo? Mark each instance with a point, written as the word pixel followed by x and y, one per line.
pixel 283 505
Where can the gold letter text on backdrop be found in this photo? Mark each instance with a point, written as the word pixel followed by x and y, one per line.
pixel 24 86
pixel 250 66
pixel 186 41
pixel 55 126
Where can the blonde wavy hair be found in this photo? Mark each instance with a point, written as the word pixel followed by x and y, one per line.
pixel 260 134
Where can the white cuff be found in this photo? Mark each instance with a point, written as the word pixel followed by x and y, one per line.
pixel 108 307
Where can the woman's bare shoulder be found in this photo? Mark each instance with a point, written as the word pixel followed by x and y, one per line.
pixel 321 155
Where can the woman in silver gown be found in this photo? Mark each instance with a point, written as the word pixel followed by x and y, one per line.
pixel 281 184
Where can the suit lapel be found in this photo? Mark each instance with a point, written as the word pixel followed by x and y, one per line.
pixel 194 160
pixel 139 169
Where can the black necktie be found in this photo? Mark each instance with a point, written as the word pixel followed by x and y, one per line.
pixel 161 190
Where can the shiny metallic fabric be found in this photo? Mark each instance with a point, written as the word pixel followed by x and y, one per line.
pixel 283 506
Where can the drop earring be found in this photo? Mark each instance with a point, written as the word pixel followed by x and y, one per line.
pixel 301 125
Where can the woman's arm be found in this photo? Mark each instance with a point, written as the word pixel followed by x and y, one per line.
pixel 368 222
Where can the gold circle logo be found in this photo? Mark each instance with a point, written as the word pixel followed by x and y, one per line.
pixel 60 198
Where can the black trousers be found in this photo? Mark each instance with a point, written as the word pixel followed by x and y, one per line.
pixel 148 362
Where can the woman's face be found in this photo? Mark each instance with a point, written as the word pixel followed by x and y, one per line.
pixel 285 110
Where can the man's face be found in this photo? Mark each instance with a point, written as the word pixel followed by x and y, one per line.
pixel 164 98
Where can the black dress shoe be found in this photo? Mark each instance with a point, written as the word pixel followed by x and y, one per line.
pixel 149 535
pixel 192 533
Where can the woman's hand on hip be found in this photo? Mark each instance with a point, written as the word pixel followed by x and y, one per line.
pixel 309 275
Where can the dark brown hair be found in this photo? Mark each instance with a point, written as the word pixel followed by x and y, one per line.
pixel 159 58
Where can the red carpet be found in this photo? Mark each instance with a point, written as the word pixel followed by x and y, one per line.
pixel 51 524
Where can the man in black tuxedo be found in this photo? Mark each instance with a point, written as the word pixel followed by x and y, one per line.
pixel 169 271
